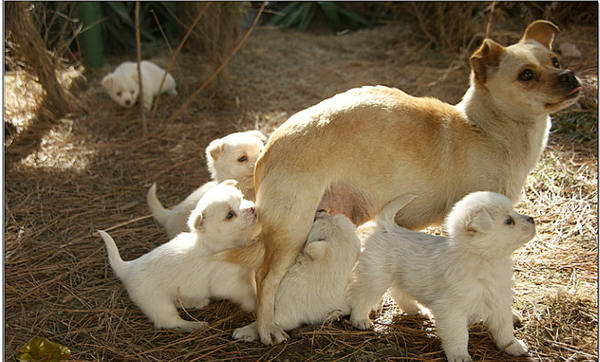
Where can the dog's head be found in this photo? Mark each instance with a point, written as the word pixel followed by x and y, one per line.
pixel 486 223
pixel 234 156
pixel 223 214
pixel 525 78
pixel 330 236
pixel 123 90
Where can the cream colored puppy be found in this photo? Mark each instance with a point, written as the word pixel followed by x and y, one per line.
pixel 357 151
pixel 229 158
pixel 184 268
pixel 312 291
pixel 463 278
pixel 123 83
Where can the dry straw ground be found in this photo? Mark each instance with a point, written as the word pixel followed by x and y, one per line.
pixel 64 180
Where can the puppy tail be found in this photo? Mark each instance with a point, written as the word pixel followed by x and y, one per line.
pixel 114 257
pixel 250 255
pixel 158 211
pixel 388 214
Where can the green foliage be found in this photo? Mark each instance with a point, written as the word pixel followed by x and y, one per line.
pixel 301 14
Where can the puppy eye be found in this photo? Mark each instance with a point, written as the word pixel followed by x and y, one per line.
pixel 555 63
pixel 230 215
pixel 526 75
pixel 242 159
pixel 119 94
pixel 132 92
pixel 509 221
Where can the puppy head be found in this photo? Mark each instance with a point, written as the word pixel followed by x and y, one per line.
pixel 329 235
pixel 223 214
pixel 123 90
pixel 234 156
pixel 525 78
pixel 486 223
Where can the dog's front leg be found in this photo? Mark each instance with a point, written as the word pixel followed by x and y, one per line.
pixel 500 325
pixel 453 330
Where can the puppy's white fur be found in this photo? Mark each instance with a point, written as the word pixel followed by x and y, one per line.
pixel 229 158
pixel 461 279
pixel 123 84
pixel 183 268
pixel 313 290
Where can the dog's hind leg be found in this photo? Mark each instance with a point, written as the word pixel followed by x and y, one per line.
pixel 163 313
pixel 363 294
pixel 405 302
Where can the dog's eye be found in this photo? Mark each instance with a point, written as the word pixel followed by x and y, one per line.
pixel 555 63
pixel 242 159
pixel 527 74
pixel 230 215
pixel 509 221
pixel 132 92
pixel 119 94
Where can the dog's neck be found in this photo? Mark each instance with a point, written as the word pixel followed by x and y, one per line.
pixel 212 245
pixel 523 138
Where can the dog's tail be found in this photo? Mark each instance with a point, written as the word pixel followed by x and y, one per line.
pixel 388 214
pixel 158 211
pixel 118 265
pixel 250 255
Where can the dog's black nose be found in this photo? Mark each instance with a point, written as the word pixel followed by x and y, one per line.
pixel 530 220
pixel 127 102
pixel 568 77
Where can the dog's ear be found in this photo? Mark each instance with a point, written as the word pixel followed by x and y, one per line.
pixel 196 221
pixel 480 222
pixel 107 81
pixel 316 249
pixel 230 183
pixel 488 55
pixel 258 134
pixel 215 149
pixel 541 31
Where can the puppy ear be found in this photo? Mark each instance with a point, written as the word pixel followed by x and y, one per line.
pixel 258 134
pixel 107 81
pixel 317 249
pixel 215 149
pixel 480 223
pixel 541 31
pixel 488 55
pixel 230 183
pixel 195 221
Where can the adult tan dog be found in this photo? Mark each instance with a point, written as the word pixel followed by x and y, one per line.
pixel 357 151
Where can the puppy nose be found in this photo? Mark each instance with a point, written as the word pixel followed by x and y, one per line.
pixel 252 210
pixel 530 220
pixel 127 102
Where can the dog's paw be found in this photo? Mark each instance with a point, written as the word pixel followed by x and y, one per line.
pixel 458 357
pixel 362 323
pixel 248 333
pixel 272 335
pixel 516 318
pixel 516 348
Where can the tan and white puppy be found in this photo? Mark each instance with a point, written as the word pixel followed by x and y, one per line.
pixel 357 151
pixel 123 84
pixel 229 158
pixel 183 268
pixel 462 279
pixel 313 290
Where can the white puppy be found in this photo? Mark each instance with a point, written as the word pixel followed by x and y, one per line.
pixel 463 278
pixel 123 84
pixel 229 158
pixel 313 290
pixel 183 268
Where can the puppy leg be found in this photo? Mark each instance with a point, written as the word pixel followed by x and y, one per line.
pixel 405 302
pixel 364 292
pixel 248 333
pixel 162 312
pixel 500 325
pixel 453 330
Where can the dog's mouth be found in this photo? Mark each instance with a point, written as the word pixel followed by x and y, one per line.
pixel 572 94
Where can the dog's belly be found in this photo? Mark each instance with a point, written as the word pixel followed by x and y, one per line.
pixel 348 201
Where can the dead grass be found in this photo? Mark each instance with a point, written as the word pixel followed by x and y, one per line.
pixel 65 180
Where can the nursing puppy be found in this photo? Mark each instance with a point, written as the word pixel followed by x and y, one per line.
pixel 229 158
pixel 357 151
pixel 313 290
pixel 463 278
pixel 123 83
pixel 183 269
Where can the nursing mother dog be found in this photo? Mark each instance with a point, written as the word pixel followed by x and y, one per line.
pixel 357 151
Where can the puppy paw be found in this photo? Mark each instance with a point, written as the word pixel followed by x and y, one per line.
pixel 460 357
pixel 189 326
pixel 516 318
pixel 516 348
pixel 272 335
pixel 248 333
pixel 362 324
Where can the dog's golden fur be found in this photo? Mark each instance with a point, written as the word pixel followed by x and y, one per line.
pixel 358 150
